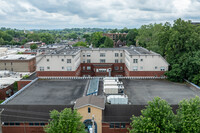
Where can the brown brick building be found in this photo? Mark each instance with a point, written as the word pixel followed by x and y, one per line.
pixel 18 63
pixel 116 38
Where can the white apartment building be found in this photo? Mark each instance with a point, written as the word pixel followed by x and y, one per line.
pixel 124 61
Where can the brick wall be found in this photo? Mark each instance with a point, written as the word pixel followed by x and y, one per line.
pixel 106 129
pixel 59 73
pixel 3 94
pixel 120 72
pixel 22 83
pixel 22 128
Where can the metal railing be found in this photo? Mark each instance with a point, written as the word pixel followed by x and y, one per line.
pixel 20 91
pixel 101 77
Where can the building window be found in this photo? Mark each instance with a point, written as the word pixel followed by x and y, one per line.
pixel 141 68
pixel 162 68
pixel 121 68
pixel 116 60
pixel 121 54
pixel 68 60
pixel 88 55
pixel 41 68
pixel 117 125
pixel 102 54
pixel 116 68
pixel 42 124
pixel 116 54
pixel 88 67
pixel 37 124
pixel 89 110
pixel 102 70
pixel 102 60
pixel 120 60
pixel 5 123
pixel 12 124
pixel 31 124
pixel 48 67
pixel 11 63
pixel 47 60
pixel 5 64
pixel 83 55
pixel 17 124
pixel 63 67
pixel 141 60
pixel 156 67
pixel 135 60
pixel 69 68
pixel 83 67
pixel 112 125
pixel 123 125
pixel 135 68
pixel 83 61
pixel 88 61
pixel 62 60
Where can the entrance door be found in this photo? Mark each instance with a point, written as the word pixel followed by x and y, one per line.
pixel 89 126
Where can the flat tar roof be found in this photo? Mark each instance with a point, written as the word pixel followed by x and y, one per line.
pixel 51 92
pixel 141 91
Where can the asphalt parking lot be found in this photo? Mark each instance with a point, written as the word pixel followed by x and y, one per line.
pixel 141 91
pixel 51 92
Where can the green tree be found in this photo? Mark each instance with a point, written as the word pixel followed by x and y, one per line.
pixel 33 46
pixel 188 116
pixel 108 43
pixel 66 121
pixel 83 44
pixel 96 39
pixel 131 37
pixel 34 37
pixel 158 117
pixel 1 41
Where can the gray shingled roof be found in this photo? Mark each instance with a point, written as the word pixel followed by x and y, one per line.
pixel 92 100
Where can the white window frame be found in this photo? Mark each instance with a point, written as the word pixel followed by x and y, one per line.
pixel 135 60
pixel 69 68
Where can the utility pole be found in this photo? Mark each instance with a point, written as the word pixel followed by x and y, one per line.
pixel 0 120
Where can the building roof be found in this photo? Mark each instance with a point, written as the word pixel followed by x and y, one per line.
pixel 17 57
pixel 92 100
pixel 29 113
pixel 141 91
pixel 50 92
pixel 140 51
pixel 123 113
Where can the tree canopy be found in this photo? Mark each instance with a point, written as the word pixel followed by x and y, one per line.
pixel 179 44
pixel 66 121
pixel 158 117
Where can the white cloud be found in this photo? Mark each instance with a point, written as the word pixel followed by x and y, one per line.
pixel 94 13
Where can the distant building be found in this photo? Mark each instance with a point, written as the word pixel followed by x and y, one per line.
pixel 124 61
pixel 196 23
pixel 28 44
pixel 18 63
pixel 116 38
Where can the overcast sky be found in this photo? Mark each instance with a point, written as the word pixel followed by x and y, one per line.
pixel 59 14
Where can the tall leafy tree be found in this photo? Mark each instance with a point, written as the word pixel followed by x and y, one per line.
pixel 66 121
pixel 158 117
pixel 188 116
pixel 108 43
